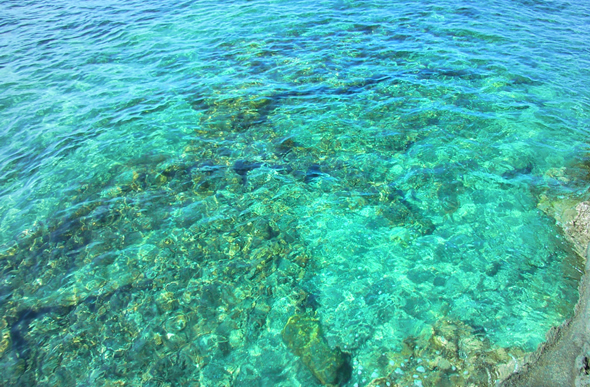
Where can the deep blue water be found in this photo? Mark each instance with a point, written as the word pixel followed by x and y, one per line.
pixel 178 179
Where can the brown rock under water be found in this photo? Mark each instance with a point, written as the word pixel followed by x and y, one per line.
pixel 304 337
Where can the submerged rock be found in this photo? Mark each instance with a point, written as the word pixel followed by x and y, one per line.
pixel 564 359
pixel 304 337
pixel 449 354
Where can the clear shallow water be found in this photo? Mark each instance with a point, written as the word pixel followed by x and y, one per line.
pixel 178 181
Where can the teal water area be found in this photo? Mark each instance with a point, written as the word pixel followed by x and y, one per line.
pixel 177 180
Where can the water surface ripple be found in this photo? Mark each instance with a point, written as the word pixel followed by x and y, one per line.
pixel 178 180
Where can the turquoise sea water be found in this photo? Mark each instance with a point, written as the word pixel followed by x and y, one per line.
pixel 178 179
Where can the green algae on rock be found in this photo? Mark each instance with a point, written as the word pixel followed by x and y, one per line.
pixel 304 337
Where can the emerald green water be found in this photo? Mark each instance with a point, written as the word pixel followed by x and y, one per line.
pixel 178 180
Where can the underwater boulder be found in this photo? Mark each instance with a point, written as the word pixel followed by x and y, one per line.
pixel 304 337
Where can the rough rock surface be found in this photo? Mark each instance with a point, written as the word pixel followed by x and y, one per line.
pixel 578 227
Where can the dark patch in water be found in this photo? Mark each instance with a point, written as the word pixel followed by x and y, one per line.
pixel 344 372
pixel 439 281
pixel 448 195
pixel 311 302
pixel 91 303
pixel 493 269
pixel 242 167
pixel 312 173
pixel 272 233
pixel 526 170
pixel 20 328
